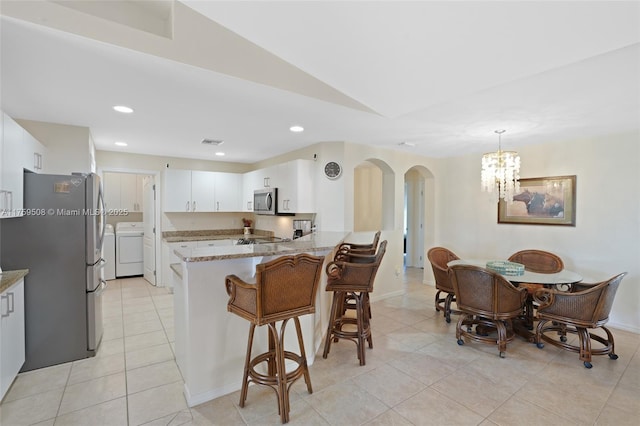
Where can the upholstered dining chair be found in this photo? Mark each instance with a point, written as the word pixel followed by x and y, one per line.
pixel 539 261
pixel 586 307
pixel 439 257
pixel 285 289
pixel 488 301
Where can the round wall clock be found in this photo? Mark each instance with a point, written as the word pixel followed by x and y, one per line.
pixel 332 170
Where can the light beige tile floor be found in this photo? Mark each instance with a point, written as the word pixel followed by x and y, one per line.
pixel 416 374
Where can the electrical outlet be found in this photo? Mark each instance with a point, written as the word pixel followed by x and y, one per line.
pixel 397 271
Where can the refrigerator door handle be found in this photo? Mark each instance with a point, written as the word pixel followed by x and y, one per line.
pixel 101 288
pixel 103 215
pixel 3 297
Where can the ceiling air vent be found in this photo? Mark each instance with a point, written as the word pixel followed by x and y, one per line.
pixel 213 142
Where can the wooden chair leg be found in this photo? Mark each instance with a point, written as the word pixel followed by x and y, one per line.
pixel 283 396
pixel 360 321
pixel 247 361
pixel 332 319
pixel 447 307
pixel 438 300
pixel 304 366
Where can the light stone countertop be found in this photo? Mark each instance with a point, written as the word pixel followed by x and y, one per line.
pixel 321 241
pixel 211 234
pixel 9 278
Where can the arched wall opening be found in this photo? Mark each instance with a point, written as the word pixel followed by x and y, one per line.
pixel 374 195
pixel 419 215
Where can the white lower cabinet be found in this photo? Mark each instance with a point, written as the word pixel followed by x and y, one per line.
pixel 12 339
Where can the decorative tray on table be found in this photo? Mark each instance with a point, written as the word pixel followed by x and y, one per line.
pixel 506 268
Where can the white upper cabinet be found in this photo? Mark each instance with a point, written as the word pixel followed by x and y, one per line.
pixel 294 181
pixel 11 200
pixel 295 187
pixel 200 191
pixel 250 182
pixel 228 192
pixel 33 153
pixel 123 191
pixel 131 196
pixel 177 191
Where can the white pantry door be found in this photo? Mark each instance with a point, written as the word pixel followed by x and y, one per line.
pixel 149 220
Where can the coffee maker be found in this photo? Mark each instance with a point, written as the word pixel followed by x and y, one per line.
pixel 301 228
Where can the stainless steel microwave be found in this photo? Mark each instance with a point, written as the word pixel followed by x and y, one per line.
pixel 265 201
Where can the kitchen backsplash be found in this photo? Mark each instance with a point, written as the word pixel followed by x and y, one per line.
pixel 281 226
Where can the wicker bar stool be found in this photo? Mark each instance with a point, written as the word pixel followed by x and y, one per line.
pixel 285 288
pixel 353 280
pixel 351 252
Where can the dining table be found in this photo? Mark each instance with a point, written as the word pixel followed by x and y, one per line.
pixel 559 280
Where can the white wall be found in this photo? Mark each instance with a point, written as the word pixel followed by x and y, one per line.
pixel 606 238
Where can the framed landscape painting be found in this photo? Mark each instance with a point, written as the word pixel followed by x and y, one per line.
pixel 542 201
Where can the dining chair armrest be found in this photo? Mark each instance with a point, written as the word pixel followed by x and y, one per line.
pixel 334 269
pixel 242 295
pixel 544 296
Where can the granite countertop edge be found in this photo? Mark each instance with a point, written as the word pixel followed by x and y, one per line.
pixel 309 244
pixel 266 252
pixel 9 278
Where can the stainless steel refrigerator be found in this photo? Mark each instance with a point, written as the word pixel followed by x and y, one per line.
pixel 59 239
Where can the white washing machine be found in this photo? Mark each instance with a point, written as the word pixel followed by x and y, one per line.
pixel 129 249
pixel 109 253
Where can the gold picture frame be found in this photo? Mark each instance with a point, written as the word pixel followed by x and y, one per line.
pixel 542 201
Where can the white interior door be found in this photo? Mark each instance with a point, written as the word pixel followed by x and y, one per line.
pixel 149 220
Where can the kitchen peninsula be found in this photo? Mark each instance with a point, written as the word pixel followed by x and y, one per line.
pixel 210 343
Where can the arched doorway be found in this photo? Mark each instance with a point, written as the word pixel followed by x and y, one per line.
pixel 418 214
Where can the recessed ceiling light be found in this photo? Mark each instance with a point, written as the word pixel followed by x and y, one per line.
pixel 411 144
pixel 121 143
pixel 220 154
pixel 123 109
pixel 296 129
pixel 215 142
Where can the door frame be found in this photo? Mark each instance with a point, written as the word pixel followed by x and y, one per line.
pixel 158 216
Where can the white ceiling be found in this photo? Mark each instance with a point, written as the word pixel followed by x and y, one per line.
pixel 440 75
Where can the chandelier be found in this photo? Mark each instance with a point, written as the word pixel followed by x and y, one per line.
pixel 500 173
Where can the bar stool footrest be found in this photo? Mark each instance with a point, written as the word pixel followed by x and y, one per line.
pixel 264 379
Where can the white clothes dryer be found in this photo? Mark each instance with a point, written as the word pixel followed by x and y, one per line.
pixel 129 249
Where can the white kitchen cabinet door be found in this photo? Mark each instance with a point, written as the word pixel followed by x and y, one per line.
pixel 123 191
pixel 251 181
pixel 295 190
pixel 203 191
pixel 131 192
pixel 11 199
pixel 12 338
pixel 33 153
pixel 228 192
pixel 177 191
